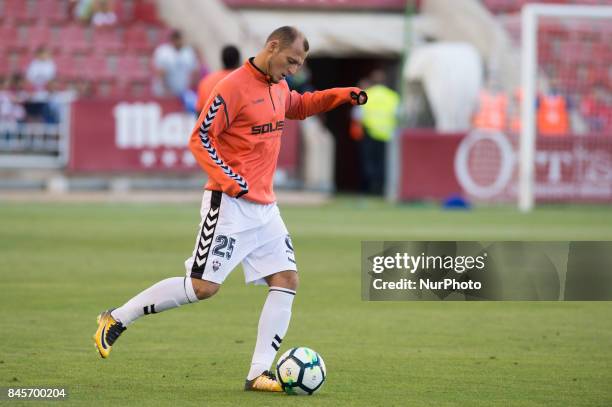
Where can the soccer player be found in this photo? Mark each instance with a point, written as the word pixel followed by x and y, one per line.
pixel 230 56
pixel 236 141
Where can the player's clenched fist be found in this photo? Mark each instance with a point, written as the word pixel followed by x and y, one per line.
pixel 358 96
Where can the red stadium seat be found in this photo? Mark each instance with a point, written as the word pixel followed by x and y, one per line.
pixel 96 68
pixel 23 61
pixel 39 35
pixel 11 63
pixel 109 89
pixel 108 40
pixel 116 59
pixel 137 39
pixel 18 10
pixel 146 10
pixel 123 10
pixel 4 64
pixel 553 30
pixel 132 68
pixel 68 67
pixel 51 11
pixel 74 38
pixel 10 38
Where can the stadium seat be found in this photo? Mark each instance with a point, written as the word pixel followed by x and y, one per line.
pixel 133 68
pixel 554 30
pixel 74 38
pixel 39 35
pixel 51 11
pixel 68 67
pixel 10 39
pixel 19 10
pixel 21 62
pixel 96 68
pixel 4 64
pixel 137 39
pixel 146 11
pixel 123 11
pixel 108 40
pixel 116 59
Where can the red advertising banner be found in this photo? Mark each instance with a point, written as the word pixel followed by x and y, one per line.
pixel 483 166
pixel 121 135
pixel 136 136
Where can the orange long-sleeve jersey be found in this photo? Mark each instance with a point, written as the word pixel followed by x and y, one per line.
pixel 237 137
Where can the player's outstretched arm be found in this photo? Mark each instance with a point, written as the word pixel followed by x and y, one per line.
pixel 300 106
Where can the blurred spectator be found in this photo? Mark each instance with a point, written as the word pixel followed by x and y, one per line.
pixel 552 116
pixel 57 98
pixel 491 112
pixel 103 13
pixel 175 65
pixel 82 9
pixel 98 12
pixel 300 82
pixel 11 103
pixel 41 70
pixel 596 109
pixel 230 56
pixel 82 88
pixel 355 126
pixel 379 120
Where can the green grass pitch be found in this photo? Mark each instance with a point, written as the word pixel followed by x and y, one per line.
pixel 62 264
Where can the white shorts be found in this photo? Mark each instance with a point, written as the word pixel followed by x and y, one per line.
pixel 234 231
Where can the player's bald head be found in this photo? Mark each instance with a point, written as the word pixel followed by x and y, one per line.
pixel 286 36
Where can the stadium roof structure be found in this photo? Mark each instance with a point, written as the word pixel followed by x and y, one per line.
pixel 378 5
pixel 337 39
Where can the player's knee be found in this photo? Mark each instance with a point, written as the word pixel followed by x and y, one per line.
pixel 204 289
pixel 286 279
pixel 293 280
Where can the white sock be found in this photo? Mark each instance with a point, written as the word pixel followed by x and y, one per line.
pixel 169 293
pixel 273 324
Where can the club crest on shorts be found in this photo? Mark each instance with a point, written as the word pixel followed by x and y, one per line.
pixel 216 265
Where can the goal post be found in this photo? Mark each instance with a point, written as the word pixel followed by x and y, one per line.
pixel 531 16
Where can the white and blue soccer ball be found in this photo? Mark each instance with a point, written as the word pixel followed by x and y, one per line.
pixel 301 371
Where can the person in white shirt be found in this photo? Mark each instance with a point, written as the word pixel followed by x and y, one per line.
pixel 175 65
pixel 41 70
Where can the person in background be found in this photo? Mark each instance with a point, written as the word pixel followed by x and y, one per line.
pixel 103 13
pixel 97 12
pixel 39 74
pixel 379 120
pixel 492 110
pixel 301 81
pixel 81 9
pixel 596 108
pixel 59 96
pixel 175 65
pixel 552 115
pixel 11 106
pixel 355 126
pixel 230 57
pixel 553 110
pixel 41 70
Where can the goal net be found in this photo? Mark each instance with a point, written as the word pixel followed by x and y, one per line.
pixel 565 102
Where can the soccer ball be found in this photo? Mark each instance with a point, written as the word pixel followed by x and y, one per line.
pixel 301 371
